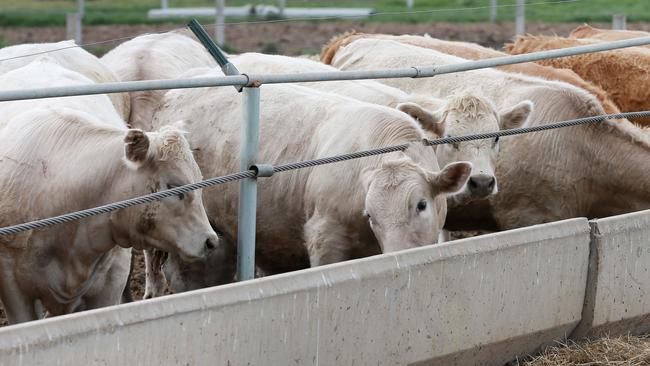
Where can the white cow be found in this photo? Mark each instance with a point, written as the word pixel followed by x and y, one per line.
pixel 46 71
pixel 150 57
pixel 330 213
pixel 593 171
pixel 462 114
pixel 70 56
pixel 154 56
pixel 441 116
pixel 57 157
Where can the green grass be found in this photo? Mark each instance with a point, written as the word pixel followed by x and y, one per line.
pixel 52 12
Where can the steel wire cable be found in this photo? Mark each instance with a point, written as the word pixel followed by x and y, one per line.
pixel 68 217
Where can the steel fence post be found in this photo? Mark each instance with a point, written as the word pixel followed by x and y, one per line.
pixel 248 187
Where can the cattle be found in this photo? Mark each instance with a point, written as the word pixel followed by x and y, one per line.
pixel 475 116
pixel 57 157
pixel 330 213
pixel 545 176
pixel 47 71
pixel 150 57
pixel 587 31
pixel 70 56
pixel 623 73
pixel 474 51
pixel 439 116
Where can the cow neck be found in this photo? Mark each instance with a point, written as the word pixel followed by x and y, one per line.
pixel 619 169
pixel 102 177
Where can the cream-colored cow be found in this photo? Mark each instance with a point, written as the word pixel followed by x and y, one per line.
pixel 473 51
pixel 150 57
pixel 57 156
pixel 593 171
pixel 46 71
pixel 466 113
pixel 330 213
pixel 70 56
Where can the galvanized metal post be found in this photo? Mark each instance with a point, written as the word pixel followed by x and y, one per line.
pixel 493 10
pixel 164 4
pixel 619 22
pixel 220 24
pixel 520 20
pixel 71 26
pixel 81 10
pixel 410 3
pixel 248 187
pixel 281 5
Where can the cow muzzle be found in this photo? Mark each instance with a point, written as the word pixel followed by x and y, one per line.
pixel 482 185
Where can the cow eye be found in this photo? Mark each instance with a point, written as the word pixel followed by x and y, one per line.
pixel 496 141
pixel 422 205
pixel 181 196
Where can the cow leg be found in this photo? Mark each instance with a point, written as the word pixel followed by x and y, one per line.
pixel 115 281
pixel 155 282
pixel 327 241
pixel 18 306
pixel 40 309
pixel 444 236
pixel 126 294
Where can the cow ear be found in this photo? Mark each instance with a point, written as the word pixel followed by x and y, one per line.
pixel 432 122
pixel 515 116
pixel 136 147
pixel 452 178
pixel 367 176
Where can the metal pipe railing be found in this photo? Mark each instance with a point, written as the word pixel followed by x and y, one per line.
pixel 256 80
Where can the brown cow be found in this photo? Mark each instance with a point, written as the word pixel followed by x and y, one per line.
pixel 587 31
pixel 623 73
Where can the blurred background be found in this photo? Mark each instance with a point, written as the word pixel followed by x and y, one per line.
pixel 302 26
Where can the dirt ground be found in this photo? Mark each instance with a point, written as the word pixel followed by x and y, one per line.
pixel 301 37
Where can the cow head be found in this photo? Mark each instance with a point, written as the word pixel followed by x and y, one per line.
pixel 472 114
pixel 218 269
pixel 406 204
pixel 158 161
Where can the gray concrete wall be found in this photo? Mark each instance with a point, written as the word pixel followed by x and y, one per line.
pixel 479 301
pixel 618 291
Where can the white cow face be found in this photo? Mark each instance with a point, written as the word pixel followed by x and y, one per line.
pixel 179 224
pixel 478 116
pixel 406 205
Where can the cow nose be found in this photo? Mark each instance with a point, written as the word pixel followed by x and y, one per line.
pixel 211 243
pixel 481 184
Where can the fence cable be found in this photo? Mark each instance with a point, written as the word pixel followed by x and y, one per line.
pixel 73 216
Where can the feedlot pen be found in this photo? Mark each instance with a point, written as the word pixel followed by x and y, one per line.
pixel 442 306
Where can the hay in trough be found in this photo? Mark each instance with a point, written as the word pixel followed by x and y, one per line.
pixel 619 351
